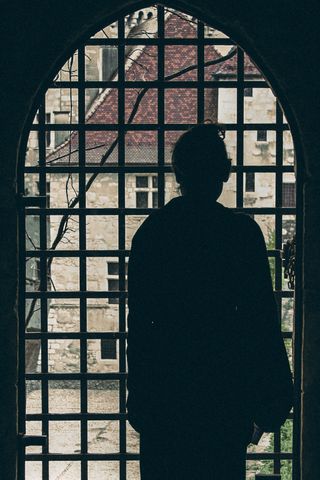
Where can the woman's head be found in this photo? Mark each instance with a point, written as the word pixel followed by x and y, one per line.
pixel 200 161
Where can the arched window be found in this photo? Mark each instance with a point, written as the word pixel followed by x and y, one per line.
pixel 97 163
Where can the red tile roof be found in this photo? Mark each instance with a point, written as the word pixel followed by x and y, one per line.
pixel 180 104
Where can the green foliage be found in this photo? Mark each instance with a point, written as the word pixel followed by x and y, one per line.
pixel 286 431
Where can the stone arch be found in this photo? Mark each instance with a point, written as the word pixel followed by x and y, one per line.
pixel 233 20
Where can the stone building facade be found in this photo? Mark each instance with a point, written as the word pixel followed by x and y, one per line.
pixel 141 150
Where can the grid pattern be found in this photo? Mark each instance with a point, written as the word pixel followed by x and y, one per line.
pixel 37 207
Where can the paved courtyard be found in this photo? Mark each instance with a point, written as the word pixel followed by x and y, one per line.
pixel 103 436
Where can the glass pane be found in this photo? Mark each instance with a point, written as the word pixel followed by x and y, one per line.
pixel 67 470
pixel 103 192
pixel 141 147
pixel 133 439
pixel 133 222
pixel 259 152
pixel 62 100
pixel 109 470
pixel 227 105
pixel 180 105
pixel 264 193
pixel 177 58
pixel 101 315
pixel 142 63
pixel 103 396
pixel 64 274
pixel 228 196
pixel 103 436
pixel 101 148
pixel 261 107
pixel 267 225
pixel 33 396
pixel 287 314
pixel 288 148
pixel 63 232
pixel 95 361
pixel 102 107
pixel 170 138
pixel 64 437
pixel 64 190
pixel 102 232
pixel 101 62
pixel 69 71
pixel 64 315
pixel 179 25
pixel 226 70
pixel 64 356
pixel 33 470
pixel 64 396
pixel 146 103
pixel 32 356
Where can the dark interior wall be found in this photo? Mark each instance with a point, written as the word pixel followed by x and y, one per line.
pixel 283 39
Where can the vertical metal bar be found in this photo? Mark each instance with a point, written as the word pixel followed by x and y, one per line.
pixel 278 244
pixel 43 286
pixel 161 106
pixel 21 328
pixel 82 260
pixel 121 240
pixel 200 54
pixel 240 121
pixel 298 316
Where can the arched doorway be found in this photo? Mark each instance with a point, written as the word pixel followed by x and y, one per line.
pixel 98 161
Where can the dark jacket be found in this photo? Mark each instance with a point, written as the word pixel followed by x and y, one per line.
pixel 204 340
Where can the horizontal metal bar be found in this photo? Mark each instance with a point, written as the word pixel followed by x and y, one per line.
pixel 62 417
pixel 64 167
pixel 76 253
pixel 113 294
pixel 113 168
pixel 159 41
pixel 169 127
pixel 76 376
pixel 146 211
pixel 93 335
pixel 32 201
pixel 216 84
pixel 134 456
pixel 75 335
pixel 97 253
pixel 100 253
pixel 79 294
pixel 28 440
pixel 36 457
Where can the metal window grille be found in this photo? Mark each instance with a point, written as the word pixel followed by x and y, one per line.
pixel 70 237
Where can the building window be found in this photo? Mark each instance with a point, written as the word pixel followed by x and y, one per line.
pixel 113 279
pixel 248 92
pixel 261 135
pixel 289 194
pixel 108 349
pixel 250 182
pixel 146 191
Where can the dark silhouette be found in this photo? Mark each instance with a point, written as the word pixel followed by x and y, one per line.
pixel 205 353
